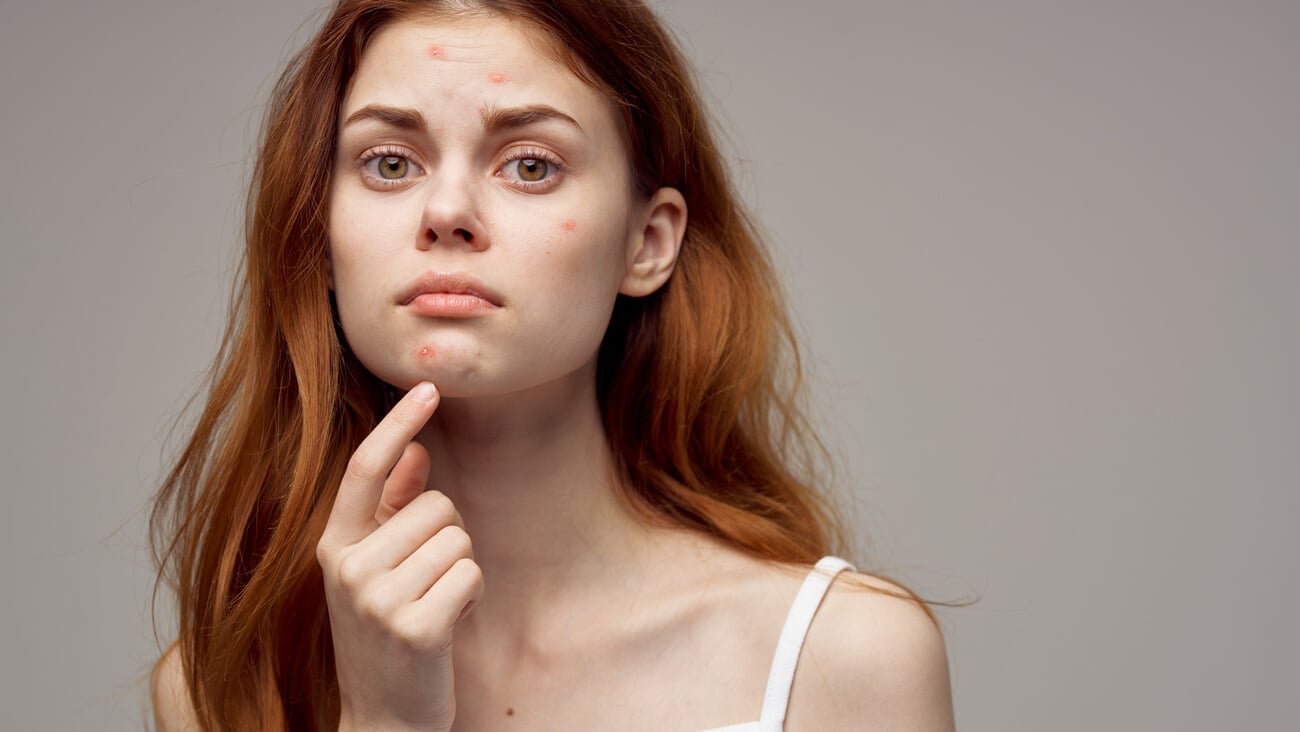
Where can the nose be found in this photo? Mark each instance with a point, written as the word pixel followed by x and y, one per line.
pixel 451 215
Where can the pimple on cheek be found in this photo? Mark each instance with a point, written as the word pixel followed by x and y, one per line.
pixel 436 52
pixel 496 77
pixel 569 225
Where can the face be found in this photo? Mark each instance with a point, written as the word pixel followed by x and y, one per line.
pixel 481 214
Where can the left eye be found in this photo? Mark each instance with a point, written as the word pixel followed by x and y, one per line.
pixel 528 169
pixel 532 170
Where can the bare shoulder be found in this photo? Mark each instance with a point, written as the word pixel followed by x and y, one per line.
pixel 871 661
pixel 172 709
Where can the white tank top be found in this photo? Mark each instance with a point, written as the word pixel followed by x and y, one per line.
pixel 797 622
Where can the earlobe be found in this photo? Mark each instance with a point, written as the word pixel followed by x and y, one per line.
pixel 653 246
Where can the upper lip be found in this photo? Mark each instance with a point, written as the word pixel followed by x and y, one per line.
pixel 451 284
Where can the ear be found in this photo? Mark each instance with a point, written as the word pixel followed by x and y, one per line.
pixel 653 242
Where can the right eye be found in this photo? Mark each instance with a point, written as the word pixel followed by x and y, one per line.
pixel 387 167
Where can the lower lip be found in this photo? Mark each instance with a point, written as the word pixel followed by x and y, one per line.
pixel 449 305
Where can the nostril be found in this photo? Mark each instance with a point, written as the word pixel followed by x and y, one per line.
pixel 467 236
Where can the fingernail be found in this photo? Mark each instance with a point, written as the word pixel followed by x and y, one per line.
pixel 424 392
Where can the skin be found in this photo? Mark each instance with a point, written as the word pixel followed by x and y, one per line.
pixel 479 567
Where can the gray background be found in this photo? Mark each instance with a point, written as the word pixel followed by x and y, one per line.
pixel 1044 256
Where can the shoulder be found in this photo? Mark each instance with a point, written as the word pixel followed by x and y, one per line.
pixel 871 661
pixel 172 709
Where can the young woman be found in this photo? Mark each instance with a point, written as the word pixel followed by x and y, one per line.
pixel 504 430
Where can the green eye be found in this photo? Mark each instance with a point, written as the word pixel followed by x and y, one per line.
pixel 532 169
pixel 392 167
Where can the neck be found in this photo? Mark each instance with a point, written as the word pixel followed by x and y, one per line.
pixel 534 481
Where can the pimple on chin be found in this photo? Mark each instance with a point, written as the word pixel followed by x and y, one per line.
pixel 496 77
pixel 424 353
pixel 436 52
pixel 569 225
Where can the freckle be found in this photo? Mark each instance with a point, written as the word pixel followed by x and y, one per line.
pixel 435 52
pixel 510 711
pixel 569 225
pixel 496 77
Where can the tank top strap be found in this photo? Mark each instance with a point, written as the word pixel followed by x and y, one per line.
pixel 781 678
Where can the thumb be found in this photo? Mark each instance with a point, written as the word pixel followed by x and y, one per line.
pixel 406 481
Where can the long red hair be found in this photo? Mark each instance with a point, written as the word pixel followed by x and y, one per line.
pixel 698 383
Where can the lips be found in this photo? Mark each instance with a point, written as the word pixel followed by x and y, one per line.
pixel 458 295
pixel 448 287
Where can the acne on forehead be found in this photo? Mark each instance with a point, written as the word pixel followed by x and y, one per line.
pixel 438 53
pixel 493 57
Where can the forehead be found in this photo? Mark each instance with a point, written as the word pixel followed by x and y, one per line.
pixel 465 63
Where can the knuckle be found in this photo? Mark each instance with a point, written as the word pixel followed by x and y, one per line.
pixel 324 553
pixel 457 541
pixel 373 606
pixel 439 500
pixel 352 572
pixel 470 569
pixel 414 631
pixel 438 505
pixel 363 465
pixel 405 416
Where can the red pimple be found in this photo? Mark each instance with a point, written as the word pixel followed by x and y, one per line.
pixel 424 353
pixel 496 77
pixel 569 225
pixel 435 52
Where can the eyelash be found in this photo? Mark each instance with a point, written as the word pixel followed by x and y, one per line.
pixel 383 152
pixel 535 153
pixel 522 153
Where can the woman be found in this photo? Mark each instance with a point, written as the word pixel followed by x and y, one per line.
pixel 507 361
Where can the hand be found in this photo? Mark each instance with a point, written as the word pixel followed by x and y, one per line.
pixel 399 574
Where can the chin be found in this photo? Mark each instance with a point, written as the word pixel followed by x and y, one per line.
pixel 451 383
pixel 454 381
pixel 454 373
pixel 466 374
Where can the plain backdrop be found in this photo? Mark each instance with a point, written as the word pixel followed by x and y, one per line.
pixel 1044 256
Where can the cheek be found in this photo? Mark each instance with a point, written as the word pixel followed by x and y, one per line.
pixel 362 235
pixel 585 256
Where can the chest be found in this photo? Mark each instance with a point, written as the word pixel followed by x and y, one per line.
pixel 710 682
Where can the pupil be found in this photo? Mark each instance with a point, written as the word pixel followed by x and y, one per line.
pixel 394 165
pixel 532 169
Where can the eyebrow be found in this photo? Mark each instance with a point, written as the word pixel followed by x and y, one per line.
pixel 495 119
pixel 404 118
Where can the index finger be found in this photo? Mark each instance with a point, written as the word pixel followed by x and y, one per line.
pixel 352 517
